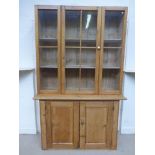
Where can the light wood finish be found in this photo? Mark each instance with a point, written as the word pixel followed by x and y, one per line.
pixel 95 124
pixel 123 48
pixel 79 97
pixel 89 50
pixel 43 125
pixel 58 36
pixel 103 48
pixel 115 125
pixel 60 127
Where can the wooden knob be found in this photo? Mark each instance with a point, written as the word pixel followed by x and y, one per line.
pixel 98 47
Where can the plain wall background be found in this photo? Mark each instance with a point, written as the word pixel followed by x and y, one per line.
pixel 29 112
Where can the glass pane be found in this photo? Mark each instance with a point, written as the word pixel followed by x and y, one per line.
pixel 89 43
pixel 72 25
pixel 48 42
pixel 48 24
pixel 113 25
pixel 110 79
pixel 48 57
pixel 48 79
pixel 87 79
pixel 72 58
pixel 112 43
pixel 88 58
pixel 72 42
pixel 89 25
pixel 111 58
pixel 72 79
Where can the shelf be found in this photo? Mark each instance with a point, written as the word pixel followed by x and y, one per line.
pixel 111 67
pixel 48 46
pixel 112 40
pixel 70 67
pixel 81 47
pixel 82 67
pixel 48 39
pixel 48 66
pixel 113 47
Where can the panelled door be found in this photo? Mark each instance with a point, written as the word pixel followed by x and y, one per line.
pixel 96 124
pixel 80 39
pixel 62 124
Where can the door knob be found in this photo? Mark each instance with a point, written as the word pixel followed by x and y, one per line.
pixel 98 47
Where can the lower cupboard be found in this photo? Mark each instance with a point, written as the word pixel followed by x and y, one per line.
pixel 79 124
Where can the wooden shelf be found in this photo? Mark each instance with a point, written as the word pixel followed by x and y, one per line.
pixel 78 97
pixel 48 46
pixel 82 47
pixel 111 67
pixel 82 67
pixel 112 40
pixel 112 47
pixel 48 66
pixel 48 39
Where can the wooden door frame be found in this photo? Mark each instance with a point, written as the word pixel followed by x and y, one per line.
pixel 119 91
pixel 48 7
pixel 84 8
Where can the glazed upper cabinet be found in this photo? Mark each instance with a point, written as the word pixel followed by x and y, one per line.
pixel 80 49
pixel 112 50
pixel 48 49
pixel 80 38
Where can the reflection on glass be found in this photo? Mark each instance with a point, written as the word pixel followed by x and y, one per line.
pixel 89 25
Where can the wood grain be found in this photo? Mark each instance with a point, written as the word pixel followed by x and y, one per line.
pixel 43 125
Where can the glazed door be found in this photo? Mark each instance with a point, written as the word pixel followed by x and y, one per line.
pixel 80 39
pixel 62 124
pixel 48 48
pixel 96 124
pixel 112 50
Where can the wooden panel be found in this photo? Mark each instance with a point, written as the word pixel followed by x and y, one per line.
pixel 95 124
pixel 115 125
pixel 43 124
pixel 62 125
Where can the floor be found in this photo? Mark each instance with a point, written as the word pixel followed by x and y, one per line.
pixel 30 145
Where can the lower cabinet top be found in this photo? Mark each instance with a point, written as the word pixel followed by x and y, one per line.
pixel 78 97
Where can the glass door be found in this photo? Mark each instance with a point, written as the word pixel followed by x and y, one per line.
pixel 79 49
pixel 48 49
pixel 112 51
